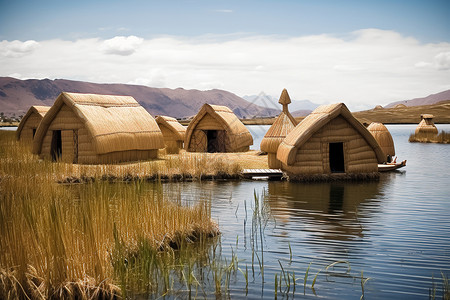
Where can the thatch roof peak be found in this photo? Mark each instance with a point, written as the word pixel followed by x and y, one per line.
pixel 35 109
pixel 426 116
pixel 284 98
pixel 173 125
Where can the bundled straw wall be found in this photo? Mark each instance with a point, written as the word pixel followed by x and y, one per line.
pixel 217 129
pixel 97 129
pixel 30 122
pixel 384 139
pixel 306 150
pixel 173 133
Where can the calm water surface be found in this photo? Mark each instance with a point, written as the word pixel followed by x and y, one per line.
pixel 396 231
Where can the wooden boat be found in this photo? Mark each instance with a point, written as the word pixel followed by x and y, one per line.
pixel 391 166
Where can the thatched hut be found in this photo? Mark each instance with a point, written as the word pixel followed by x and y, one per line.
pixel 426 126
pixel 94 129
pixel 329 141
pixel 284 124
pixel 384 139
pixel 173 133
pixel 216 128
pixel 30 122
pixel 378 107
pixel 400 105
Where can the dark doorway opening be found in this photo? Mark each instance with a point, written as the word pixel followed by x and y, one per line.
pixel 34 132
pixel 337 158
pixel 56 147
pixel 213 141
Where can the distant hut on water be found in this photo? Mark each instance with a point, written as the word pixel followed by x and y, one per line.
pixel 216 128
pixel 30 122
pixel 97 129
pixel 284 124
pixel 327 142
pixel 173 133
pixel 384 139
pixel 426 126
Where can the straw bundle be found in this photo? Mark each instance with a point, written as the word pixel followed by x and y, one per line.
pixel 284 124
pixel 30 122
pixel 384 138
pixel 173 133
pixel 98 129
pixel 218 123
pixel 306 149
pixel 426 126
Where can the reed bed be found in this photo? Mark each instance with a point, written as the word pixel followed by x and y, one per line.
pixel 442 138
pixel 86 241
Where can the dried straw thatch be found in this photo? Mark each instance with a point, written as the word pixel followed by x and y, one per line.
pixel 91 129
pixel 401 105
pixel 30 122
pixel 384 139
pixel 173 132
pixel 216 128
pixel 284 124
pixel 426 126
pixel 330 140
pixel 378 107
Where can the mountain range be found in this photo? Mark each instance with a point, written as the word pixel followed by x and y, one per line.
pixel 428 100
pixel 16 97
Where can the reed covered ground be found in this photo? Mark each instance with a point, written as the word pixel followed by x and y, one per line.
pixel 89 240
pixel 441 138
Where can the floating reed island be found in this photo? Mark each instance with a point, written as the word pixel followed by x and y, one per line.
pixel 427 132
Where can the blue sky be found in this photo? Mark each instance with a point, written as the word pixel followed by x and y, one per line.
pixel 361 52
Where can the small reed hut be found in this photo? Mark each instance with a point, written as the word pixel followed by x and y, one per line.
pixel 284 124
pixel 384 139
pixel 329 141
pixel 97 129
pixel 30 122
pixel 216 128
pixel 173 133
pixel 426 126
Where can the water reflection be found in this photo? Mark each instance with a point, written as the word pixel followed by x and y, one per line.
pixel 330 211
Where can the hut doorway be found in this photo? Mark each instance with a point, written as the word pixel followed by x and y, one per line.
pixel 336 152
pixel 215 141
pixel 56 146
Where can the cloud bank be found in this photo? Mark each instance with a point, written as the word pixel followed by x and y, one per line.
pixel 362 69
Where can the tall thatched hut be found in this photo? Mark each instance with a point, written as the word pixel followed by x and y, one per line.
pixel 329 141
pixel 93 129
pixel 30 122
pixel 284 124
pixel 216 128
pixel 173 133
pixel 426 126
pixel 384 139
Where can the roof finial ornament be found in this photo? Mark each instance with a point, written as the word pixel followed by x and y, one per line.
pixel 284 100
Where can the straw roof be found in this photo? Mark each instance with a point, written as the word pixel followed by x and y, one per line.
pixel 401 105
pixel 426 116
pixel 36 111
pixel 426 126
pixel 178 130
pixel 383 137
pixel 280 128
pixel 315 121
pixel 114 123
pixel 238 134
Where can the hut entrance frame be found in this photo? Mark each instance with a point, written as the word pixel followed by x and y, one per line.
pixel 336 155
pixel 56 145
pixel 216 141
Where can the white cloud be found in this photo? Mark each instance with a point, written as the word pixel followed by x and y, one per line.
pixel 372 67
pixel 121 45
pixel 17 49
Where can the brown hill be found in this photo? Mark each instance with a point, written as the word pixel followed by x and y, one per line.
pixel 16 96
pixel 407 114
pixel 428 100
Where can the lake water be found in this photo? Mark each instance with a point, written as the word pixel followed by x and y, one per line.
pixel 396 231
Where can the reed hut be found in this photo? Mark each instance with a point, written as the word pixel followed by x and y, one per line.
pixel 284 124
pixel 378 107
pixel 216 128
pixel 173 133
pixel 30 122
pixel 329 141
pixel 97 129
pixel 426 126
pixel 384 139
pixel 400 105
